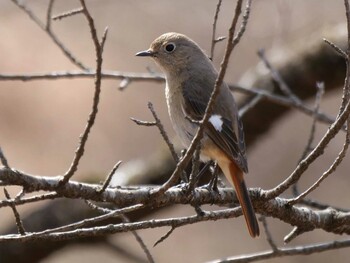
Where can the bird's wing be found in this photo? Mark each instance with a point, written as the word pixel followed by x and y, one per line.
pixel 221 129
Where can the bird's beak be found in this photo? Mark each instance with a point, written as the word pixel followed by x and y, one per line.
pixel 145 53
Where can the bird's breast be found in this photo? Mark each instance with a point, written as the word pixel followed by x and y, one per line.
pixel 184 128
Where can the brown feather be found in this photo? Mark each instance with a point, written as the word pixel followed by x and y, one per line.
pixel 235 176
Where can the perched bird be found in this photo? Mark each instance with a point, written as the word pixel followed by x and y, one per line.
pixel 190 80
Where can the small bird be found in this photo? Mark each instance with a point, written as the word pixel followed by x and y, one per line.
pixel 190 80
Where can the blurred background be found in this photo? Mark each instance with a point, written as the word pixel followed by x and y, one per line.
pixel 40 121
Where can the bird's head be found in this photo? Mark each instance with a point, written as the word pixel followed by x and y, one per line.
pixel 174 52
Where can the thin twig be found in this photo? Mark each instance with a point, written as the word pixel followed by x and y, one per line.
pixel 28 200
pixel 93 220
pixel 343 115
pixel 296 231
pixel 320 91
pixel 269 237
pixel 125 252
pixel 54 38
pixel 329 171
pixel 21 194
pixel 135 77
pixel 92 116
pixel 346 89
pixel 164 237
pixel 109 178
pixel 70 74
pixel 316 152
pixel 119 228
pixel 19 222
pixel 213 36
pixel 277 77
pixel 163 133
pixel 284 252
pixel 285 101
pixel 335 47
pixel 250 105
pixel 48 15
pixel 3 159
pixel 144 123
pixel 68 14
pixel 125 219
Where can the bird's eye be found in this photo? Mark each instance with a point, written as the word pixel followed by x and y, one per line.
pixel 170 47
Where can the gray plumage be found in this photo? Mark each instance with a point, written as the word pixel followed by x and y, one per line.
pixel 190 80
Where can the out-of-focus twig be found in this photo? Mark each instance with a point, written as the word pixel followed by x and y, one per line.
pixel 19 222
pixel 52 35
pixel 91 119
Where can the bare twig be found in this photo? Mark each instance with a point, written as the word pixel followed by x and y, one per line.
pixel 305 163
pixel 125 252
pixel 283 252
pixel 213 36
pixel 320 91
pixel 277 77
pixel 93 220
pixel 3 159
pixel 319 95
pixel 21 194
pixel 296 231
pixel 248 106
pixel 68 14
pixel 343 115
pixel 163 132
pixel 19 222
pixel 346 89
pixel 164 237
pixel 144 123
pixel 48 15
pixel 135 77
pixel 285 101
pixel 125 219
pixel 330 170
pixel 70 74
pixel 335 47
pixel 109 178
pixel 54 38
pixel 28 200
pixel 122 227
pixel 269 237
pixel 91 120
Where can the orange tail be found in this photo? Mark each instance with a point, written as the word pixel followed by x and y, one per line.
pixel 236 177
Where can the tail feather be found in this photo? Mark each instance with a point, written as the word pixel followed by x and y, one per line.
pixel 236 177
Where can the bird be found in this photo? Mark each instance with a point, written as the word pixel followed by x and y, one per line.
pixel 190 79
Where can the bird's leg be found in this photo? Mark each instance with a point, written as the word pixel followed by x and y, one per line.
pixel 184 178
pixel 196 177
pixel 212 186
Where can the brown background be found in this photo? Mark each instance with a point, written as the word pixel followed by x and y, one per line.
pixel 40 121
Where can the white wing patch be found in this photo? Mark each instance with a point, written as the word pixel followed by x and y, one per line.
pixel 217 122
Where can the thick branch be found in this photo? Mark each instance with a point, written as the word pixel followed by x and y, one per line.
pixel 329 219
